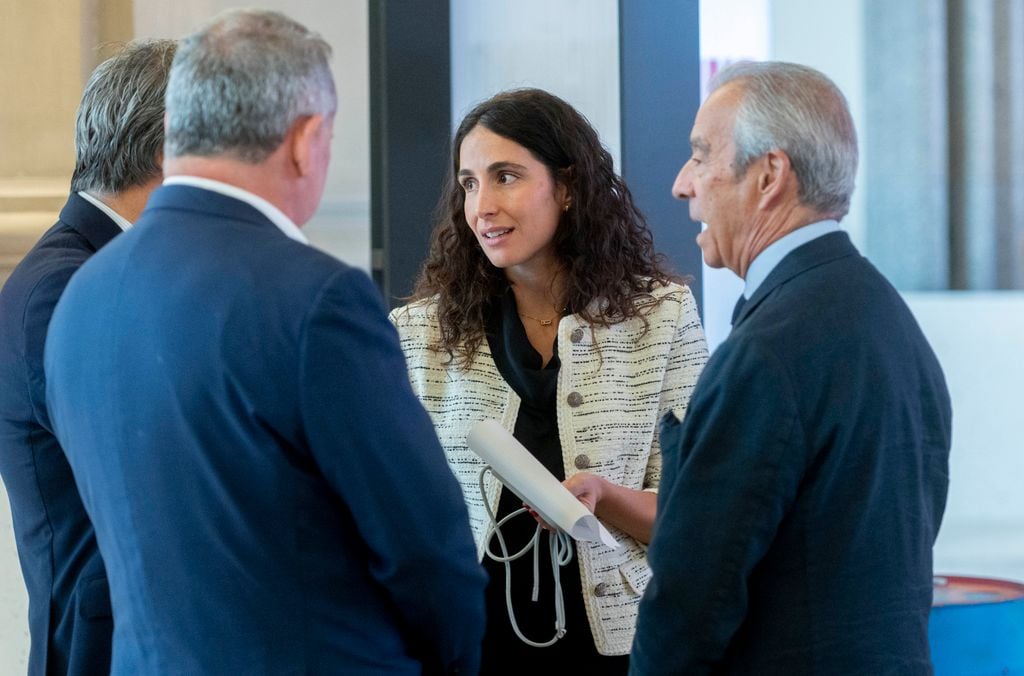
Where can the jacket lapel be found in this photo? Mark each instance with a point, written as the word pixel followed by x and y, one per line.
pixel 817 252
pixel 88 221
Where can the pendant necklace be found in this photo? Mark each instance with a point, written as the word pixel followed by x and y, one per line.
pixel 542 322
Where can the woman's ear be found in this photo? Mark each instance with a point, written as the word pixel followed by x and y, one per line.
pixel 563 191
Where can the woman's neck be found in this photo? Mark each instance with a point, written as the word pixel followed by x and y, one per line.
pixel 539 296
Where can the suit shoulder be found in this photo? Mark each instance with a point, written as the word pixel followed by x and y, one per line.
pixel 42 275
pixel 672 302
pixel 679 293
pixel 306 262
pixel 419 313
pixel 59 245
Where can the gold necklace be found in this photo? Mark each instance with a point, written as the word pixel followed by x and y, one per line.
pixel 542 322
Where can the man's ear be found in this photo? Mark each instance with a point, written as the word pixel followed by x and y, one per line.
pixel 303 135
pixel 775 176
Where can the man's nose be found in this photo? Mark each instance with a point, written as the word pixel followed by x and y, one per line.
pixel 682 189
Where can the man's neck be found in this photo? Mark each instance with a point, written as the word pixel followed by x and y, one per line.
pixel 260 179
pixel 129 203
pixel 774 227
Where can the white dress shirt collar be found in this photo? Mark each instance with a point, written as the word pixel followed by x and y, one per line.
pixel 120 220
pixel 275 215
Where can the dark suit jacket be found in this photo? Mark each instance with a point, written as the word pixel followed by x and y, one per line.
pixel 802 494
pixel 69 606
pixel 268 494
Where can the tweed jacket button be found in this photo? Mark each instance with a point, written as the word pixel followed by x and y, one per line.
pixel 581 461
pixel 575 399
pixel 576 335
pixel 600 589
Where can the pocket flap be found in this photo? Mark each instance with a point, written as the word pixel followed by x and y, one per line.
pixel 637 574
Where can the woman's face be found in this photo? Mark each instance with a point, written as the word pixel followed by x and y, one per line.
pixel 512 202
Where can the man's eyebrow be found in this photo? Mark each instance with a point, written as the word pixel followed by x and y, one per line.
pixel 697 143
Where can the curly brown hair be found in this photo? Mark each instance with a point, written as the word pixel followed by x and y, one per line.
pixel 602 242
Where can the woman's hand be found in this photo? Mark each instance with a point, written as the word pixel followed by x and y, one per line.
pixel 629 510
pixel 587 488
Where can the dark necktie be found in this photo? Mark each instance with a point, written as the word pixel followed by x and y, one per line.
pixel 740 302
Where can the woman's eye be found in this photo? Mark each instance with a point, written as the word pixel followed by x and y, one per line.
pixel 505 178
pixel 469 184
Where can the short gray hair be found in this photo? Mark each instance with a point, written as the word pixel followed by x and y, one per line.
pixel 119 131
pixel 241 81
pixel 798 110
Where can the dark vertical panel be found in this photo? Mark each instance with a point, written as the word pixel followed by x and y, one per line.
pixel 410 120
pixel 659 73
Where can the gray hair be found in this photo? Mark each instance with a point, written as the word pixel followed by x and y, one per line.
pixel 240 82
pixel 119 132
pixel 798 110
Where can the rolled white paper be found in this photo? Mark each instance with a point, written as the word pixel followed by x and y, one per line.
pixel 525 476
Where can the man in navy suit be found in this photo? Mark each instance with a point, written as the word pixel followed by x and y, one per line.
pixel 803 491
pixel 119 143
pixel 268 494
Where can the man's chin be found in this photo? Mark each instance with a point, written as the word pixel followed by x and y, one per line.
pixel 711 257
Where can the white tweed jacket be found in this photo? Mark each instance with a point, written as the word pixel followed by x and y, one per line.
pixel 614 385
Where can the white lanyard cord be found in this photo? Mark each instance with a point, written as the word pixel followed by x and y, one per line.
pixel 561 554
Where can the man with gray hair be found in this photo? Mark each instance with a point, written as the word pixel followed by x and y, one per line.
pixel 801 496
pixel 119 144
pixel 268 494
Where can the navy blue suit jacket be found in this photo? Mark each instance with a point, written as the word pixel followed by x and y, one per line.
pixel 802 494
pixel 69 606
pixel 268 494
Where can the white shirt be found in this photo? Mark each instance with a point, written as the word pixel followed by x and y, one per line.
pixel 121 221
pixel 766 261
pixel 275 215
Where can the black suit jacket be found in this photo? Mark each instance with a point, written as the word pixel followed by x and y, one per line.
pixel 803 492
pixel 69 605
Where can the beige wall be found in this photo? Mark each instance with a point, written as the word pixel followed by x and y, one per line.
pixel 47 48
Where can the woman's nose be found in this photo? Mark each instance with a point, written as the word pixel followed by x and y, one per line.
pixel 485 201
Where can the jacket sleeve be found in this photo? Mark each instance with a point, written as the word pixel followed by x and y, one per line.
pixel 686 359
pixel 54 275
pixel 392 474
pixel 731 476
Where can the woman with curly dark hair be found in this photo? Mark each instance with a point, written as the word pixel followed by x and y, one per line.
pixel 543 305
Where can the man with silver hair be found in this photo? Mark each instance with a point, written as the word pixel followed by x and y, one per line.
pixel 119 145
pixel 801 496
pixel 268 494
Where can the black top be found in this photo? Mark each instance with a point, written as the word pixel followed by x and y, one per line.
pixel 537 429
